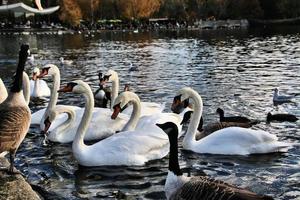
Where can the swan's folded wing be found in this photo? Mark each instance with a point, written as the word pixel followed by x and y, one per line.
pixel 13 125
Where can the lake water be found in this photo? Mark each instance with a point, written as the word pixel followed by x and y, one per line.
pixel 236 70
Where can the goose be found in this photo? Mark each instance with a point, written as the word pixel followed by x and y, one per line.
pixel 178 186
pixel 281 117
pixel 26 89
pixel 148 108
pixel 65 62
pixel 227 141
pixel 38 88
pixel 280 98
pixel 14 114
pixel 134 147
pixel 239 119
pixel 3 91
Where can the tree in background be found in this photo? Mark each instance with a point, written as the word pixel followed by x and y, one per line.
pixel 70 12
pixel 138 9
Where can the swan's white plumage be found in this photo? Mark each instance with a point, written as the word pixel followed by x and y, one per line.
pixel 147 108
pixel 42 91
pixel 101 125
pixel 231 140
pixel 125 148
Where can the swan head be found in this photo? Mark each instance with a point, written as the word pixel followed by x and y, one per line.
pixel 185 93
pixel 77 86
pixel 121 101
pixel 36 72
pixel 110 76
pixel 48 70
pixel 178 106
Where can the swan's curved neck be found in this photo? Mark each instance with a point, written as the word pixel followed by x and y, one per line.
pixel 192 128
pixel 26 87
pixel 135 115
pixel 115 89
pixel 78 142
pixel 66 124
pixel 53 97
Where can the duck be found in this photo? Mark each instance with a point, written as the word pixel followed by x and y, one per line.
pixel 129 148
pixel 178 186
pixel 133 68
pixel 65 62
pixel 15 114
pixel 148 108
pixel 281 117
pixel 227 141
pixel 3 91
pixel 38 88
pixel 281 98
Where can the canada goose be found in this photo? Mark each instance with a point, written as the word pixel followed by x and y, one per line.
pixel 232 118
pixel 179 187
pixel 14 113
pixel 281 117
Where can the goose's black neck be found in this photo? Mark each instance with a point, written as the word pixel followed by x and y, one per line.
pixel 173 158
pixel 17 83
pixel 221 113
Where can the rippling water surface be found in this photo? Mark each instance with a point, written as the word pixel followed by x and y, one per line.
pixel 234 70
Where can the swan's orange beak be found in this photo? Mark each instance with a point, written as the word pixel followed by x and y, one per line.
pixel 44 72
pixel 47 125
pixel 117 110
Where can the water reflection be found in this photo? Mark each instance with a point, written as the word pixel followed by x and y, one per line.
pixel 233 70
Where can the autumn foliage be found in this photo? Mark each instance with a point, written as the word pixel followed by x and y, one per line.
pixel 70 12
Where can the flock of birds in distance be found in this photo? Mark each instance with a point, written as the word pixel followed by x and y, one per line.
pixel 132 132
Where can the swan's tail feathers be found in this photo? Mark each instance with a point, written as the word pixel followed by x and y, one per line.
pixel 273 147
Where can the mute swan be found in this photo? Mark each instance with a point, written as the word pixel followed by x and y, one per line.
pixel 39 116
pixel 3 91
pixel 126 148
pixel 178 186
pixel 281 117
pixel 280 98
pixel 38 88
pixel 230 141
pixel 148 108
pixel 14 114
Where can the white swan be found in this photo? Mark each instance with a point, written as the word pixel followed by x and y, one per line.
pixel 230 141
pixel 148 108
pixel 125 148
pixel 280 98
pixel 3 91
pixel 40 116
pixel 64 130
pixel 38 88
